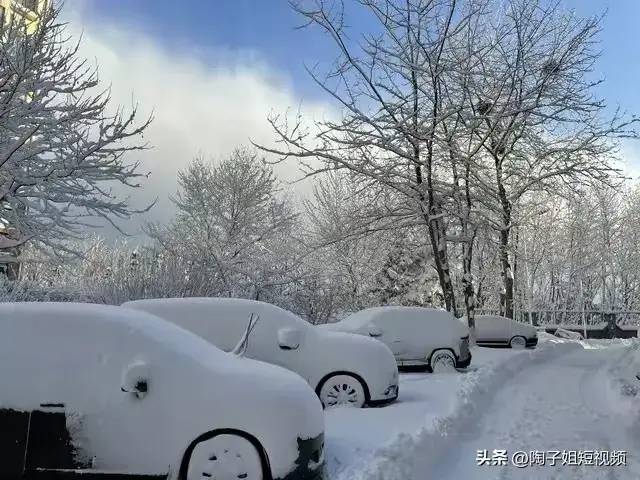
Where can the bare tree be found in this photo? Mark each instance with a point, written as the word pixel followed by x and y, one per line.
pixel 544 129
pixel 61 148
pixel 389 85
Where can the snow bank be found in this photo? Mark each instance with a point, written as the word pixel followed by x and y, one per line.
pixel 624 385
pixel 410 453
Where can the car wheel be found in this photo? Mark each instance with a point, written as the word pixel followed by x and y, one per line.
pixel 443 361
pixel 518 343
pixel 342 391
pixel 225 457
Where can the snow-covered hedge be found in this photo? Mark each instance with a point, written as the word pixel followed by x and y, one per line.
pixel 27 291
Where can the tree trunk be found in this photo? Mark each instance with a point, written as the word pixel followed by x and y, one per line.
pixel 507 274
pixel 434 213
pixel 467 264
pixel 506 306
pixel 438 237
pixel 441 259
pixel 437 234
pixel 467 286
pixel 517 297
pixel 13 271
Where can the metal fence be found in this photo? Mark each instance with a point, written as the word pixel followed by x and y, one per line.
pixel 593 324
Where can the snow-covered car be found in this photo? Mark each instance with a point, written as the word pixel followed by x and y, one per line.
pixel 568 334
pixel 416 336
pixel 497 331
pixel 344 370
pixel 100 390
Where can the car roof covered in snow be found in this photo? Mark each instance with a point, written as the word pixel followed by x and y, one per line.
pixel 218 320
pixel 172 337
pixel 67 316
pixel 223 307
pixel 361 318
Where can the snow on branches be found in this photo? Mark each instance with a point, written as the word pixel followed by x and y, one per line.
pixel 63 145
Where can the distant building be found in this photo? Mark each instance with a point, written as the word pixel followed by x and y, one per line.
pixel 27 10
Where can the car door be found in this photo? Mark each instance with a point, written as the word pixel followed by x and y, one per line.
pixel 267 341
pixel 34 374
pixel 69 379
pixel 376 329
pixel 508 328
pixel 50 445
pixel 483 328
pixel 493 330
pixel 134 415
pixel 14 425
pixel 36 441
pixel 392 327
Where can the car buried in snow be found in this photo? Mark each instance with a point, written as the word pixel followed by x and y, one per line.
pixel 343 369
pixel 417 336
pixel 498 331
pixel 92 391
pixel 567 334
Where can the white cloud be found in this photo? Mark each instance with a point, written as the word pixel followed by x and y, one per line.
pixel 200 107
pixel 630 158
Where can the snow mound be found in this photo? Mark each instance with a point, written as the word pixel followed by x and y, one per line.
pixel 624 383
pixel 409 456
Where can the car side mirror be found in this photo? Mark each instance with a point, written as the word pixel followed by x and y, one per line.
pixel 135 380
pixel 374 331
pixel 289 338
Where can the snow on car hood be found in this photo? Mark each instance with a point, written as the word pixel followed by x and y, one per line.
pixel 341 326
pixel 358 320
pixel 366 356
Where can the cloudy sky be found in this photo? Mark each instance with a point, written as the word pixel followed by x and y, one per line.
pixel 212 70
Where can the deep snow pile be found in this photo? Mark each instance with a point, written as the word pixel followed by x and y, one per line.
pixel 380 443
pixel 623 378
pixel 557 396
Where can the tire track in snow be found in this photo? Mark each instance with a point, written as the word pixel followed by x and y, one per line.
pixel 552 407
pixel 413 456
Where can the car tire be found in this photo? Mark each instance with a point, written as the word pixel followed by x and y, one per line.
pixel 225 457
pixel 342 390
pixel 518 343
pixel 443 361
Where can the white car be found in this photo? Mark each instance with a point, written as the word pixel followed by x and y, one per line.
pixel 344 370
pixel 99 390
pixel 497 331
pixel 416 336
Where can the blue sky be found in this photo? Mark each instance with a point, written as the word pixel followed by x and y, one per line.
pixel 212 71
pixel 266 30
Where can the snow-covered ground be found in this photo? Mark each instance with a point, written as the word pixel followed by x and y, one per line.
pixel 562 396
